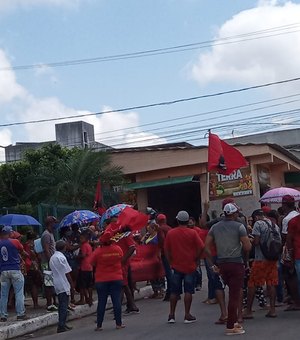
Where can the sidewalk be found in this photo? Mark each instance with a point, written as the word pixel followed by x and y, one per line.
pixel 40 318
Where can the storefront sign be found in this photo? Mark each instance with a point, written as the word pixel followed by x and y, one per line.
pixel 239 183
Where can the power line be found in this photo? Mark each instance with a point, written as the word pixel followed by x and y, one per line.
pixel 185 133
pixel 165 50
pixel 120 136
pixel 198 114
pixel 165 103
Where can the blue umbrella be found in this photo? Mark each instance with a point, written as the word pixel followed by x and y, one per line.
pixel 79 217
pixel 17 219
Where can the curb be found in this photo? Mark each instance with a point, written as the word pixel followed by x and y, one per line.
pixel 50 319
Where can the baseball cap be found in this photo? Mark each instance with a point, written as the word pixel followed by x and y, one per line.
pixel 161 217
pixel 183 216
pixel 51 219
pixel 288 199
pixel 6 229
pixel 230 209
pixel 226 201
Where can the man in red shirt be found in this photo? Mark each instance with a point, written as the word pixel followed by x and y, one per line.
pixel 183 248
pixel 293 244
pixel 163 230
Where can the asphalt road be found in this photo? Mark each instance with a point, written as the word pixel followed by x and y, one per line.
pixel 151 324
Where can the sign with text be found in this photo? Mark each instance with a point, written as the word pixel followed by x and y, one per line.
pixel 237 184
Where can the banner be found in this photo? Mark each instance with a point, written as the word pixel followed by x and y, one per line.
pixel 146 264
pixel 237 184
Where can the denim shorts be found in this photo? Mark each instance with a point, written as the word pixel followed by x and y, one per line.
pixel 178 279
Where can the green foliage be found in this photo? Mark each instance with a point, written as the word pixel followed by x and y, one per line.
pixel 57 175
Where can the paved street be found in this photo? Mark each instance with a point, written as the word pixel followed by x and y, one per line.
pixel 151 324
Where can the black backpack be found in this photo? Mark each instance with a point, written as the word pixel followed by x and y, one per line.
pixel 271 247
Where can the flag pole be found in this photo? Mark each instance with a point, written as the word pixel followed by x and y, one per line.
pixel 208 175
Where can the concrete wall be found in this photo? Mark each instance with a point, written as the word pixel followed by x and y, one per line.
pixel 15 152
pixel 72 134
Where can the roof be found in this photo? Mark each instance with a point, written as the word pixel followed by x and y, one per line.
pixel 159 147
pixel 184 145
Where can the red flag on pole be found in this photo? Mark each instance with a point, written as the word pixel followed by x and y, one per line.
pixel 98 206
pixel 132 218
pixel 223 157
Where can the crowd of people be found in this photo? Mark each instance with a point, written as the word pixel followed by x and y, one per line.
pixel 247 254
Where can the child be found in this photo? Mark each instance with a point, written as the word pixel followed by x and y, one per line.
pixel 85 277
pixel 62 283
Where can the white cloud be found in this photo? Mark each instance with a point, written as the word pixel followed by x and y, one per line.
pixel 9 88
pixel 255 61
pixel 13 4
pixel 23 106
pixel 46 71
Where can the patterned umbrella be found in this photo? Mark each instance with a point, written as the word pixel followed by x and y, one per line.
pixel 79 217
pixel 113 211
pixel 275 195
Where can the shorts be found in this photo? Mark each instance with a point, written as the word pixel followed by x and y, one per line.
pixel 47 275
pixel 263 272
pixel 178 279
pixel 85 279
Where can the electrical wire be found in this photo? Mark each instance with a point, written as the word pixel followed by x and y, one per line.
pixel 164 103
pixel 165 50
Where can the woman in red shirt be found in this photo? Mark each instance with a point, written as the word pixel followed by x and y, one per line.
pixel 108 278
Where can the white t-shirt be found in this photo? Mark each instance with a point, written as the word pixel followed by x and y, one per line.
pixel 60 267
pixel 287 219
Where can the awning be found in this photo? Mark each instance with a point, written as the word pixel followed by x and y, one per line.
pixel 158 183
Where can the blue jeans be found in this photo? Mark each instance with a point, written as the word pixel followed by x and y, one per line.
pixel 297 267
pixel 63 303
pixel 104 289
pixel 16 279
pixel 188 281
pixel 168 273
pixel 279 288
pixel 210 277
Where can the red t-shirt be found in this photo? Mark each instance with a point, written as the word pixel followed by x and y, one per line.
pixel 126 243
pixel 203 234
pixel 183 244
pixel 107 260
pixel 294 230
pixel 86 250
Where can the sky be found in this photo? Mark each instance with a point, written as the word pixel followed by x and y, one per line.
pixel 250 43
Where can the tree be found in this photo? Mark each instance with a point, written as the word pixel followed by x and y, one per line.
pixel 78 177
pixel 56 175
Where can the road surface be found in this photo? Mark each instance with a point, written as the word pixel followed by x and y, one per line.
pixel 151 324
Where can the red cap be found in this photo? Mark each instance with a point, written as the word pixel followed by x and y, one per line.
pixel 226 201
pixel 288 199
pixel 161 217
pixel 266 209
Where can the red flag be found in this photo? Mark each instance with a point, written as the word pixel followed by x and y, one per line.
pixel 223 157
pixel 132 218
pixel 98 206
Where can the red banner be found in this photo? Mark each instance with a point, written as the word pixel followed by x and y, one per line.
pixel 146 264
